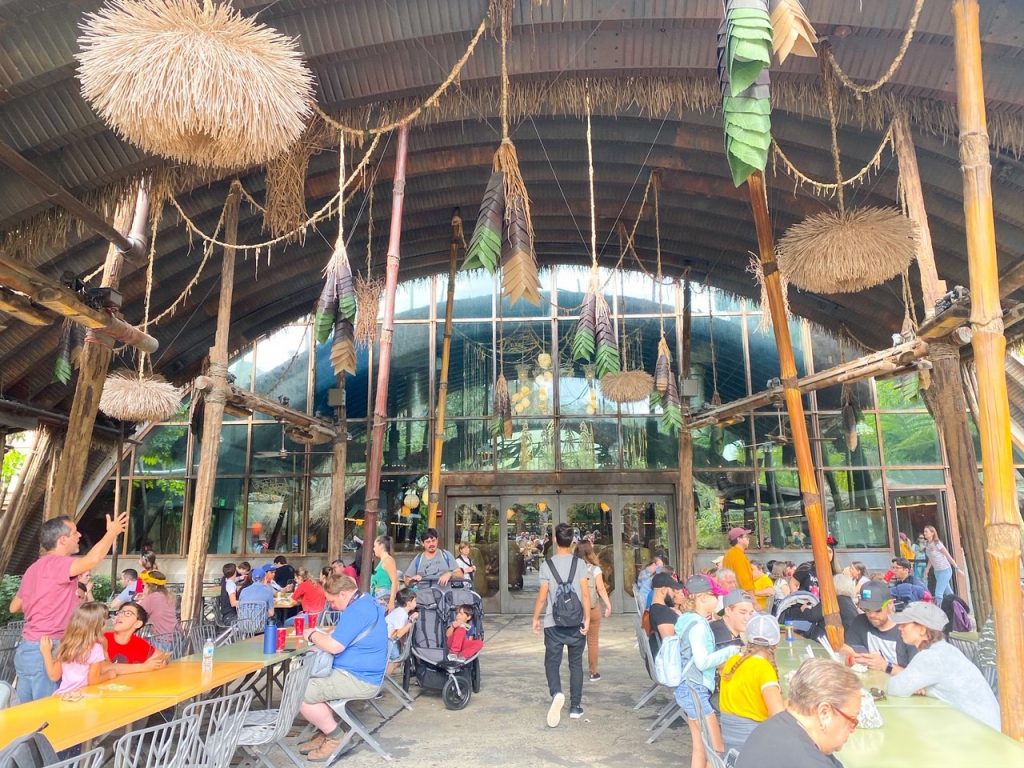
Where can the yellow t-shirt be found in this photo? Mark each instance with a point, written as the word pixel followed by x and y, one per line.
pixel 764 581
pixel 741 693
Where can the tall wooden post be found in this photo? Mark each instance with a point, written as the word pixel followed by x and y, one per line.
pixel 213 419
pixel 339 480
pixel 687 510
pixel 795 408
pixel 380 409
pixel 1002 522
pixel 945 394
pixel 442 385
pixel 92 373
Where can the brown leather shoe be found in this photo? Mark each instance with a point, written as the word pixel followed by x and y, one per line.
pixel 308 746
pixel 324 751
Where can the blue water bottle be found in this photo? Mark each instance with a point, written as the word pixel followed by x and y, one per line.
pixel 270 637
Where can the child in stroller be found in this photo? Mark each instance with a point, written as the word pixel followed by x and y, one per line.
pixel 436 666
pixel 461 641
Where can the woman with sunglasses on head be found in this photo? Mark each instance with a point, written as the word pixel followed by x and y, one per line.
pixel 820 715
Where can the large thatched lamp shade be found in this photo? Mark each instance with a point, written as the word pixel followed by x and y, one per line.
pixel 194 81
pixel 849 251
pixel 130 397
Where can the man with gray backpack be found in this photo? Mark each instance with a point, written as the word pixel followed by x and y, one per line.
pixel 564 596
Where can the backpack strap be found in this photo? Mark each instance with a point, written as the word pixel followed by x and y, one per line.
pixel 554 572
pixel 572 570
pixel 416 564
pixel 447 559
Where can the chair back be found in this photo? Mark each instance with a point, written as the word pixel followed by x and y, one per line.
pixel 968 648
pixel 644 644
pixel 252 618
pixel 91 759
pixel 175 642
pixel 404 649
pixel 715 760
pixel 220 723
pixel 7 673
pixel 6 694
pixel 328 618
pixel 199 633
pixel 769 604
pixel 291 696
pixel 167 745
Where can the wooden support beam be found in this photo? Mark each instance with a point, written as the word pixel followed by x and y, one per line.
pixel 687 510
pixel 65 302
pixel 339 482
pixel 213 419
pixel 21 308
pixel 795 407
pixel 1002 521
pixel 889 361
pixel 378 434
pixel 92 374
pixel 442 386
pixel 249 402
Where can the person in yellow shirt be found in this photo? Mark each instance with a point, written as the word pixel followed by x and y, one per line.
pixel 735 558
pixel 764 587
pixel 750 691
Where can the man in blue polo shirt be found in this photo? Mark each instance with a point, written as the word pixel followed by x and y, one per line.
pixel 359 643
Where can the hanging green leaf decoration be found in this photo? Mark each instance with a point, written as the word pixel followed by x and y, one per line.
pixel 584 340
pixel 606 358
pixel 327 305
pixel 671 409
pixel 484 249
pixel 744 53
pixel 62 368
pixel 347 301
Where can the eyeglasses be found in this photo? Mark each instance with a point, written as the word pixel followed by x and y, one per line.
pixel 851 720
pixel 127 612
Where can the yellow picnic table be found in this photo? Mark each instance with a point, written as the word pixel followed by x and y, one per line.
pixel 180 680
pixel 250 652
pixel 911 726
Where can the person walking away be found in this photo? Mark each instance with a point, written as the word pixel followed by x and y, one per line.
pixel 384 579
pixel 47 596
pixel 359 644
pixel 820 715
pixel 940 561
pixel 128 653
pixel 159 604
pixel 79 660
pixel 432 564
pixel 750 692
pixel 598 595
pixel 701 660
pixel 563 578
pixel 736 560
pixel 940 669
pixel 147 563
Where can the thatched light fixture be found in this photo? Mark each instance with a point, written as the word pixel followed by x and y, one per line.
pixel 130 397
pixel 194 81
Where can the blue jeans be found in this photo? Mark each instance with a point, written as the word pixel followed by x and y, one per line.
pixel 942 579
pixel 33 682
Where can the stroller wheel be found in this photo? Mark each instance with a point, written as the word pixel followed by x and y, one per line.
pixel 456 692
pixel 474 673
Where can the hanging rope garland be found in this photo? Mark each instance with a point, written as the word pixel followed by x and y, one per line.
pixel 828 189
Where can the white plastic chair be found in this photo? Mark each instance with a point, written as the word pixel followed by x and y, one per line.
pixel 220 723
pixel 163 746
pixel 265 729
pixel 91 759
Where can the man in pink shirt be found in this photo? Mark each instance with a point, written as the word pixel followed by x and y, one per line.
pixel 48 595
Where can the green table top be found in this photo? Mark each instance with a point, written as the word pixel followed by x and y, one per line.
pixel 252 650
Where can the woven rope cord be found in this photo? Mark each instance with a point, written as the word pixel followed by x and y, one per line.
pixel 829 188
pixel 907 37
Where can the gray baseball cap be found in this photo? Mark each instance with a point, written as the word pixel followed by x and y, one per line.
pixel 926 614
pixel 737 596
pixel 695 585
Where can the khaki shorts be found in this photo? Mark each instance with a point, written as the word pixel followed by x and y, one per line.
pixel 338 685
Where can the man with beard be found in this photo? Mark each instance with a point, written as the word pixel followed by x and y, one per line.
pixel 432 564
pixel 662 614
pixel 873 638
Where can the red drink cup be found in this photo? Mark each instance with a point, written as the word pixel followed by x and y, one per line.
pixel 300 625
pixel 312 619
pixel 282 638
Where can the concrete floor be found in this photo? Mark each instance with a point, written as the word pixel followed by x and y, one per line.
pixel 504 724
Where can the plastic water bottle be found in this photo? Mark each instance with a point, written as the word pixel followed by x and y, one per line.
pixel 208 649
pixel 789 632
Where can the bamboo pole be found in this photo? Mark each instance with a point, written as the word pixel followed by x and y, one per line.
pixel 213 419
pixel 339 481
pixel 795 408
pixel 380 409
pixel 687 510
pixel 95 361
pixel 1002 524
pixel 442 385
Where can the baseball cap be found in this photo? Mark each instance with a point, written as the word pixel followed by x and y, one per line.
pixel 662 580
pixel 763 629
pixel 873 595
pixel 718 560
pixel 735 597
pixel 695 585
pixel 735 533
pixel 263 570
pixel 926 614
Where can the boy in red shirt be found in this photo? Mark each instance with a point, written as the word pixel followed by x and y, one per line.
pixel 127 652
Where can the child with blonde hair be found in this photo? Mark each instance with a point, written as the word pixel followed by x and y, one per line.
pixel 80 659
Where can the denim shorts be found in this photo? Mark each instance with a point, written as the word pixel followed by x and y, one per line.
pixel 33 682
pixel 684 700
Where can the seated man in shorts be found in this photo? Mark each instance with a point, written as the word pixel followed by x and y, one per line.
pixel 359 643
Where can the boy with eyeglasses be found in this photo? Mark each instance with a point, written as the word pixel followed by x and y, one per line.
pixel 127 652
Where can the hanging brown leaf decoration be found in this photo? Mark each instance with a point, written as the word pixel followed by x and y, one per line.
pixel 343 349
pixel 791 30
pixel 850 417
pixel 519 278
pixel 62 369
pixel 503 406
pixel 484 249
pixel 663 367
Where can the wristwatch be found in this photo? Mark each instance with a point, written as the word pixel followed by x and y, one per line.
pixel 888 668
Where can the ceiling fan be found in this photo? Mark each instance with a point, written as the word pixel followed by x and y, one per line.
pixel 281 453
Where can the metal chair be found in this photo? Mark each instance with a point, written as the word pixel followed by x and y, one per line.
pixel 391 684
pixel 220 723
pixel 328 618
pixel 968 648
pixel 991 676
pixel 163 746
pixel 356 727
pixel 647 656
pixel 268 728
pixel 252 618
pixel 7 672
pixel 175 642
pixel 714 758
pixel 7 696
pixel 91 759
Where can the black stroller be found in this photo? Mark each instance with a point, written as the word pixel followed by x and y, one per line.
pixel 435 668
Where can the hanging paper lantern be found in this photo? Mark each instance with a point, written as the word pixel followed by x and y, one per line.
pixel 411 501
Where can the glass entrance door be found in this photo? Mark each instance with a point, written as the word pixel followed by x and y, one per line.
pixel 595 517
pixel 528 523
pixel 912 511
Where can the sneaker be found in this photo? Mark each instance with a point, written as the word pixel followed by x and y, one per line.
pixel 309 746
pixel 555 710
pixel 576 712
pixel 595 677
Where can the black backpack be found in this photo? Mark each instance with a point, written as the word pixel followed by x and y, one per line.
pixel 33 750
pixel 566 607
